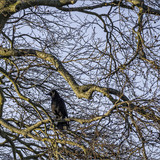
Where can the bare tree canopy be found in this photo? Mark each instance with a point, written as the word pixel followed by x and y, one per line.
pixel 103 58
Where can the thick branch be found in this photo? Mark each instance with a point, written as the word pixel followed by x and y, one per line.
pixel 146 8
pixel 26 132
pixel 18 91
pixel 8 8
pixel 84 91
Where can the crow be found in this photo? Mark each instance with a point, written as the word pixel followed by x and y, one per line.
pixel 59 109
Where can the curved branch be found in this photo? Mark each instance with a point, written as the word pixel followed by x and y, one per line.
pixel 26 132
pixel 8 8
pixel 84 91
pixel 4 135
pixel 19 5
pixel 18 91
pixel 146 9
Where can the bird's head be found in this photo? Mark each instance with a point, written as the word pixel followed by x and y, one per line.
pixel 52 93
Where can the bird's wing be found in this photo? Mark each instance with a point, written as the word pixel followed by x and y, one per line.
pixel 63 108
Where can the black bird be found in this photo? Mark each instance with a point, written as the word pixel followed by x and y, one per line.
pixel 59 109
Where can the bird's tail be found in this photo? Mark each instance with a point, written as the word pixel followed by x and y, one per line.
pixel 63 125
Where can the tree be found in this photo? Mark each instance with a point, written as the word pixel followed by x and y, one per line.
pixel 103 59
